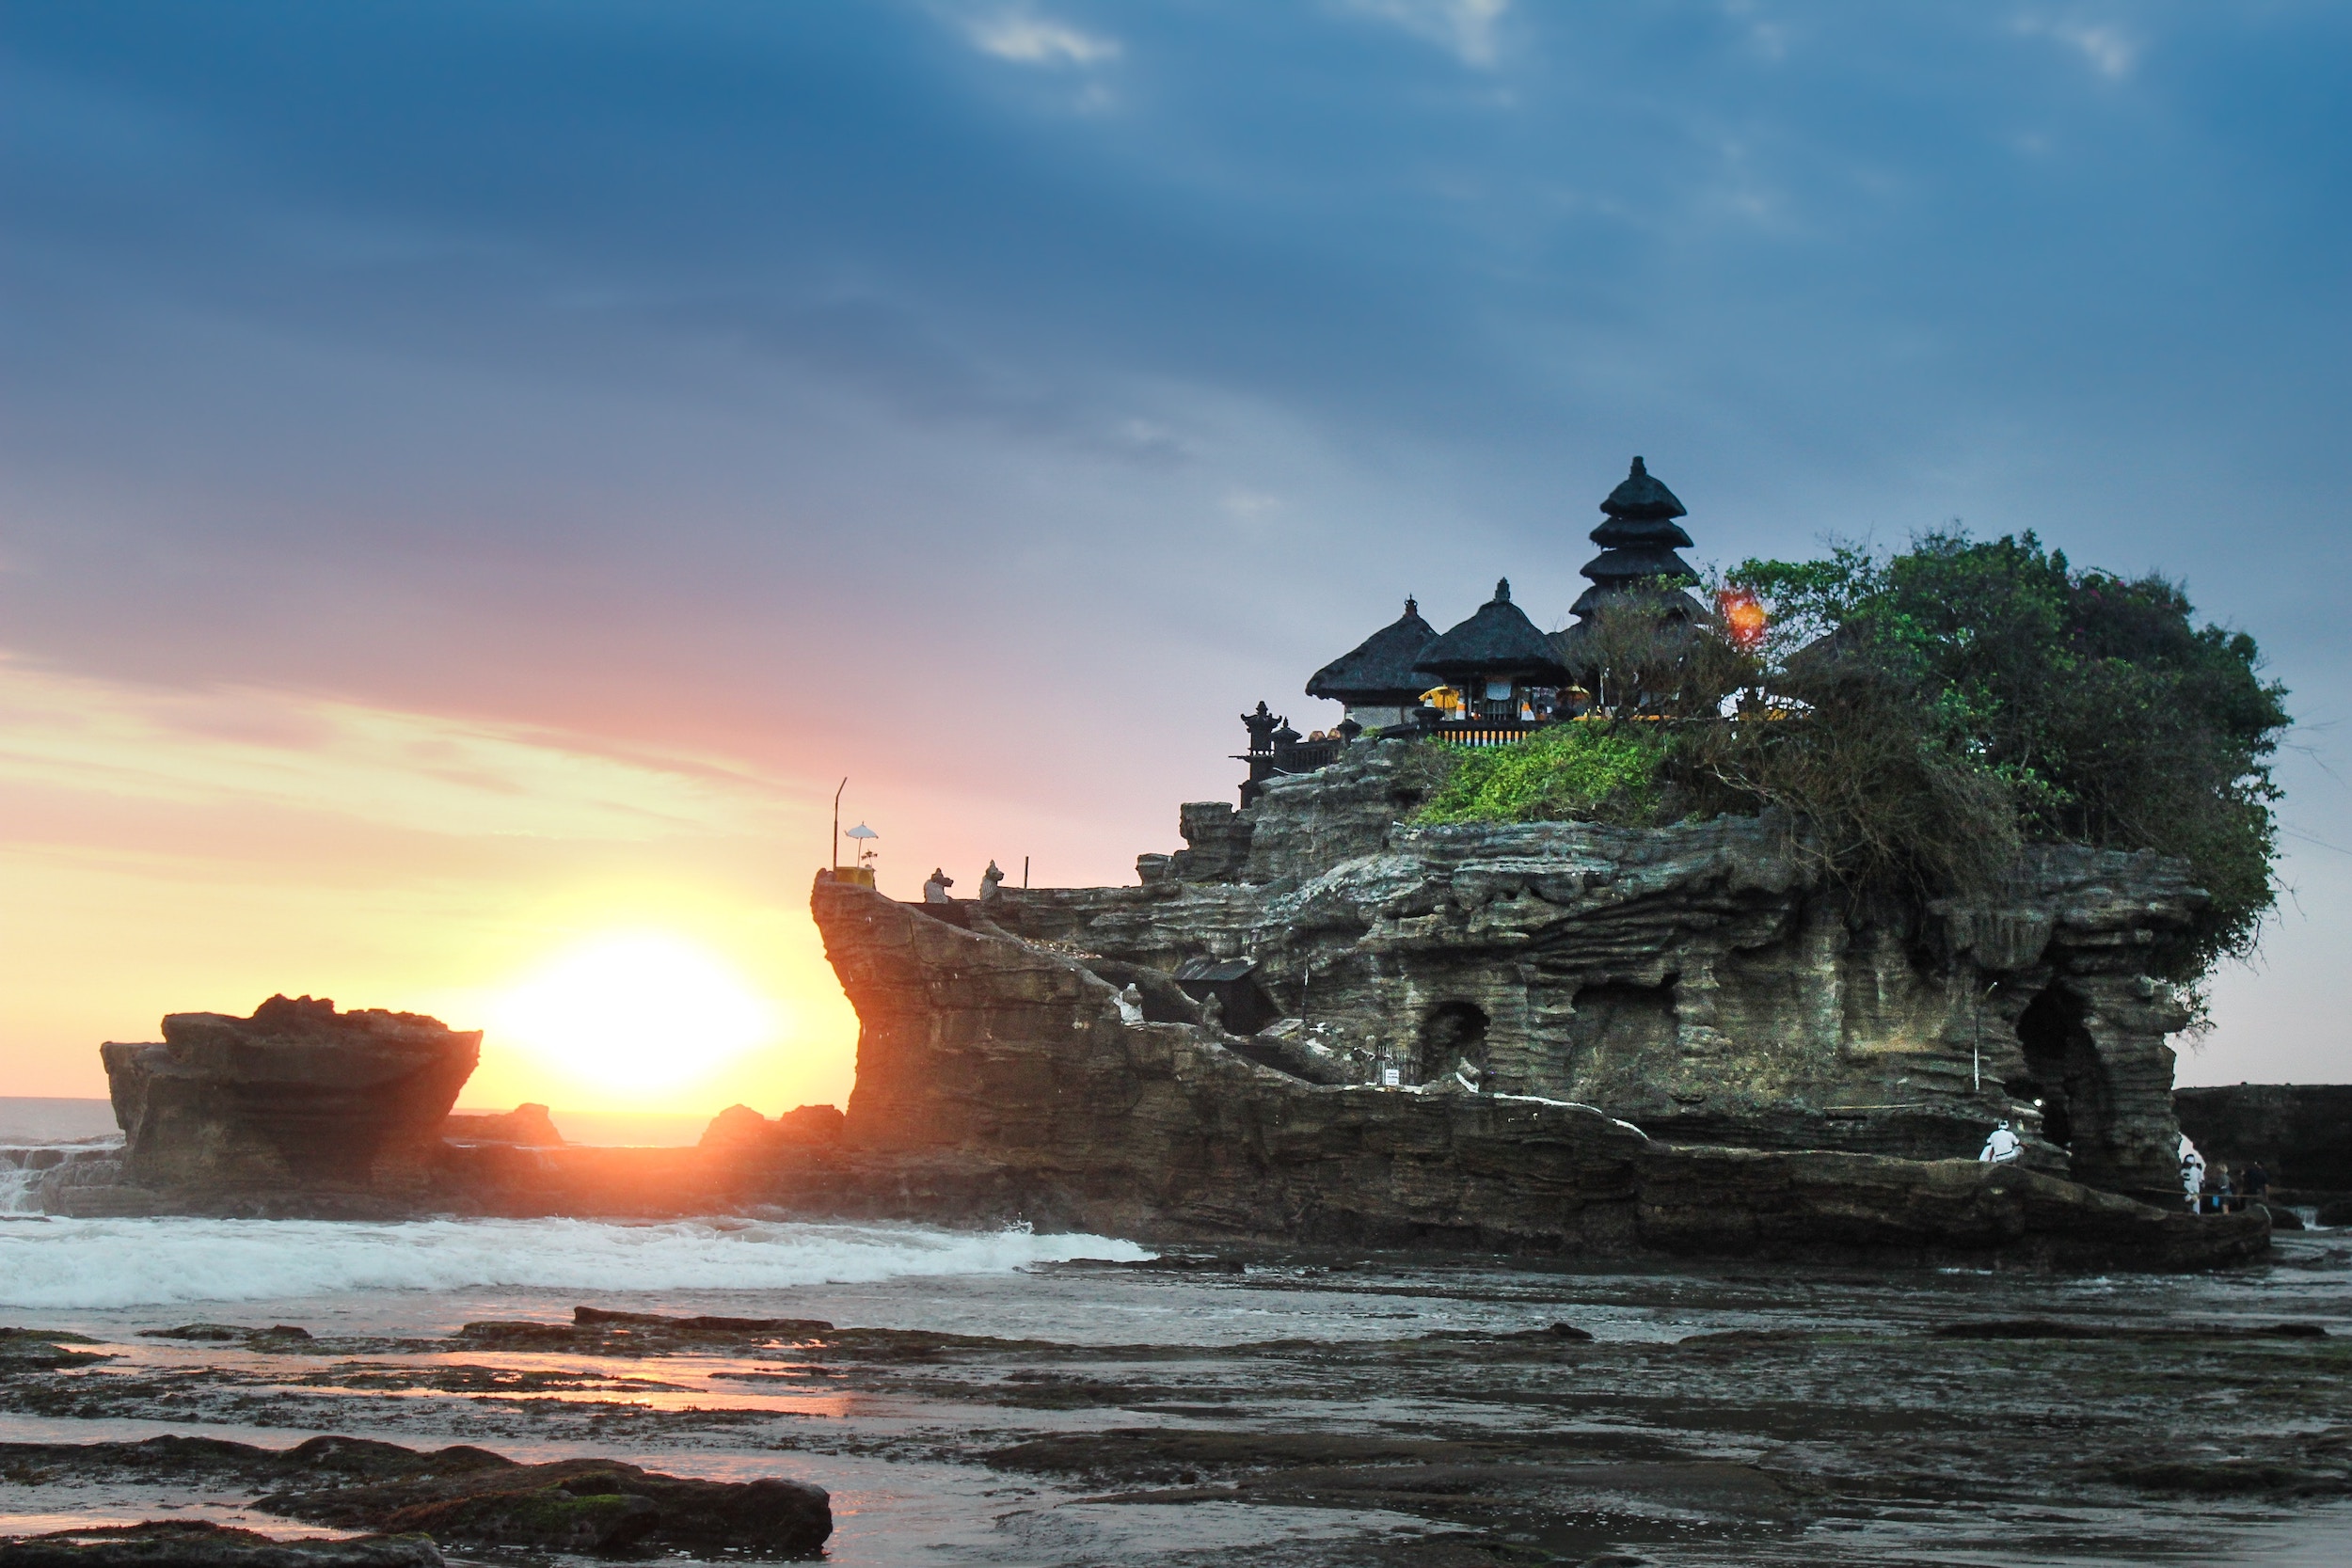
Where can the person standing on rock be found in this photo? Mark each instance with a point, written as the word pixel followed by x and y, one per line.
pixel 936 890
pixel 2257 1184
pixel 2003 1148
pixel 2192 1174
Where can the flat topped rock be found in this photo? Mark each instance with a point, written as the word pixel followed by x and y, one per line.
pixel 306 1024
pixel 298 1096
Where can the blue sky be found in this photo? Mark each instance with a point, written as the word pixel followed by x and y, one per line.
pixel 988 401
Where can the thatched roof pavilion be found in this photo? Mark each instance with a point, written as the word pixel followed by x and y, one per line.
pixel 1382 671
pixel 1497 644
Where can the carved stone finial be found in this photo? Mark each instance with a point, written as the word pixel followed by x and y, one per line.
pixel 1502 590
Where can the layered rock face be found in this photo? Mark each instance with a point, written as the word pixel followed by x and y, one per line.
pixel 296 1099
pixel 1705 981
pixel 999 1073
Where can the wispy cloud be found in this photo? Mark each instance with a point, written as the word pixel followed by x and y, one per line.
pixel 1027 37
pixel 417 772
pixel 1464 27
pixel 2104 46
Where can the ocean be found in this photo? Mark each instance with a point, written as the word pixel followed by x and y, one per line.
pixel 1039 1399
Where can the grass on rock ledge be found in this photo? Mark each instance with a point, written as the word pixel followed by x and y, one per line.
pixel 1593 771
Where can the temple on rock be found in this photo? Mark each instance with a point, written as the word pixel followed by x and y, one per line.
pixel 1495 676
pixel 1496 667
pixel 1328 1016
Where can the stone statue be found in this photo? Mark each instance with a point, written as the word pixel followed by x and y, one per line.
pixel 990 881
pixel 936 890
pixel 1213 1014
pixel 1131 1004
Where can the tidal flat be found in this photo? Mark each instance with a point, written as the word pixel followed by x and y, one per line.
pixel 1268 1407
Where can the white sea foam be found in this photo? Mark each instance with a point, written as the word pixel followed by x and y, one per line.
pixel 143 1262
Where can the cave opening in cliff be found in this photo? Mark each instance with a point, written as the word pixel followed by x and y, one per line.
pixel 1453 1032
pixel 1619 1033
pixel 2060 1065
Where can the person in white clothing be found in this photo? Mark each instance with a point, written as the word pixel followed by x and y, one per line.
pixel 2192 1174
pixel 2003 1148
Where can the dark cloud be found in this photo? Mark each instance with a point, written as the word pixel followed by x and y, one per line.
pixel 652 366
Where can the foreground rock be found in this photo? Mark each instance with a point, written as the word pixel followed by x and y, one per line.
pixel 297 1099
pixel 463 1497
pixel 998 1071
pixel 198 1544
pixel 600 1506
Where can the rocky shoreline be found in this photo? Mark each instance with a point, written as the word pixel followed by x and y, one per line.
pixel 1322 1023
pixel 1388 1411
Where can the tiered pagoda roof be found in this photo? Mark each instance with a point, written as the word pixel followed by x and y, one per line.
pixel 1638 542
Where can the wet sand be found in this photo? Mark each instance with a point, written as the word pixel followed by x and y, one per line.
pixel 1332 1409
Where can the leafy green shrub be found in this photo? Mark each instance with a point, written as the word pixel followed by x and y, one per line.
pixel 1589 771
pixel 1891 806
pixel 2103 713
pixel 1922 714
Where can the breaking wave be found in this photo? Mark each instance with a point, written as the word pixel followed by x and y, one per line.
pixel 95 1264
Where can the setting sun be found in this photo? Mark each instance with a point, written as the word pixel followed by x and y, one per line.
pixel 634 1010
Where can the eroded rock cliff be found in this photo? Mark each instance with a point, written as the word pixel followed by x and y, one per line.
pixel 993 1064
pixel 1705 981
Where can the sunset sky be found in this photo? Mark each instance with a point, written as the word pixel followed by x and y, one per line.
pixel 475 477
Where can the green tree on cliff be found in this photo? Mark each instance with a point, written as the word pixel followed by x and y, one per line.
pixel 1924 713
pixel 2070 705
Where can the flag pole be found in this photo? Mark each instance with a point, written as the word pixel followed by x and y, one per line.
pixel 836 822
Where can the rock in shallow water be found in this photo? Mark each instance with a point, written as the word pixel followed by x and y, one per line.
pixel 459 1495
pixel 296 1099
pixel 198 1544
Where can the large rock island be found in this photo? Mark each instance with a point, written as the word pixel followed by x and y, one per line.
pixel 1322 1023
pixel 1553 1036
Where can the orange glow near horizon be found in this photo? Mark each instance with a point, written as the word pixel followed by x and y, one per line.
pixel 634 1011
pixel 169 850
